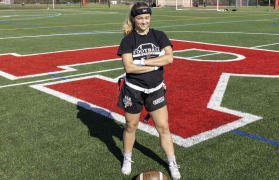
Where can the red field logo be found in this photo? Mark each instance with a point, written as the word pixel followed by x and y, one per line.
pixel 194 94
pixel 15 66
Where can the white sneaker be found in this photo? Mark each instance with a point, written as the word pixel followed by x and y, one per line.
pixel 173 167
pixel 127 166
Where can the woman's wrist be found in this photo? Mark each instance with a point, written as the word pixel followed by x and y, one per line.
pixel 142 61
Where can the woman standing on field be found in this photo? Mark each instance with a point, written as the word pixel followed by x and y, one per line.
pixel 144 52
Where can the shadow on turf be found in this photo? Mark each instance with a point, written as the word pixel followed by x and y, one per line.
pixel 105 129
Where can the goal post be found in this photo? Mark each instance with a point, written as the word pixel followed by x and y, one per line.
pixel 206 5
pixel 27 4
pixel 180 4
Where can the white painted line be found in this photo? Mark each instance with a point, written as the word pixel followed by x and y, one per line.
pixel 51 79
pixel 214 103
pixel 82 74
pixel 195 58
pixel 119 31
pixel 105 112
pixel 30 82
pixel 216 32
pixel 48 35
pixel 39 17
pixel 224 45
pixel 66 68
pixel 19 55
pixel 266 45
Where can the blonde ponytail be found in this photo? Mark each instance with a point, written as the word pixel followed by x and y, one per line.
pixel 129 24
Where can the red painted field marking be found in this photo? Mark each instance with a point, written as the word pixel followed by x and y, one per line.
pixel 14 66
pixel 191 86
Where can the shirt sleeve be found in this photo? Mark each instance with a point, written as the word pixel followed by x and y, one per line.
pixel 125 47
pixel 164 40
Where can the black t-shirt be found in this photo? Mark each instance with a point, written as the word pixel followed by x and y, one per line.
pixel 145 46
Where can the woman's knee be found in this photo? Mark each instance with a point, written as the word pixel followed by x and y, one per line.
pixel 163 128
pixel 132 121
pixel 131 127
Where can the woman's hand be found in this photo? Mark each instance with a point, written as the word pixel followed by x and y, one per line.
pixel 163 60
pixel 130 67
pixel 144 66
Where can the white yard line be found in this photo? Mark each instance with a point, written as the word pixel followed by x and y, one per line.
pixel 64 68
pixel 51 79
pixel 48 35
pixel 265 45
pixel 119 31
pixel 216 32
pixel 214 103
pixel 40 17
pixel 223 45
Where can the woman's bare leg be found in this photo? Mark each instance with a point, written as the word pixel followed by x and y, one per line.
pixel 160 119
pixel 129 134
pixel 129 137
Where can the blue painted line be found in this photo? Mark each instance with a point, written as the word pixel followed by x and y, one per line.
pixel 256 137
pixel 58 76
pixel 275 24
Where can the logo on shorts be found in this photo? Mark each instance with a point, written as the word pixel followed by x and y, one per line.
pixel 159 100
pixel 127 101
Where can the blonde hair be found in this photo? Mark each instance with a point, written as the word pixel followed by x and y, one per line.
pixel 129 24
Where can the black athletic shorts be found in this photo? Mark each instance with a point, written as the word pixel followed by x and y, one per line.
pixel 132 101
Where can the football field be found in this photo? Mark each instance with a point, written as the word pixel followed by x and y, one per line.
pixel 58 85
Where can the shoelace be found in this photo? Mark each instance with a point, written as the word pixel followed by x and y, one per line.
pixel 127 161
pixel 175 168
